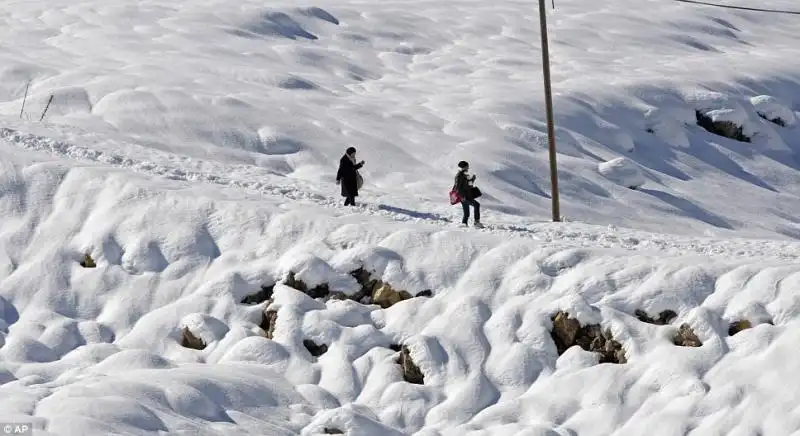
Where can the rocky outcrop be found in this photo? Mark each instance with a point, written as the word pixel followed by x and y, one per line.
pixel 368 286
pixel 568 332
pixel 329 430
pixel 724 128
pixel 319 291
pixel 664 318
pixel 387 297
pixel 189 340
pixel 565 331
pixel 685 337
pixel 88 262
pixel 411 372
pixel 738 326
pixel 314 349
pixel 374 291
pixel 269 319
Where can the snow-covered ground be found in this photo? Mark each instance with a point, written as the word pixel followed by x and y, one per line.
pixel 190 149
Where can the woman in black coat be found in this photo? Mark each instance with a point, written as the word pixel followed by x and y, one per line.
pixel 348 176
pixel 467 192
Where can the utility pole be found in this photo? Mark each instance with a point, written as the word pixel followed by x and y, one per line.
pixel 548 100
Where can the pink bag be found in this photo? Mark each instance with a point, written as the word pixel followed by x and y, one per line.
pixel 454 197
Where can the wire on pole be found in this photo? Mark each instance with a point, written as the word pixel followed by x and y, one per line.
pixel 743 8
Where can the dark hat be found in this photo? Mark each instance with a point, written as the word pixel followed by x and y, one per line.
pixel 350 150
pixel 463 164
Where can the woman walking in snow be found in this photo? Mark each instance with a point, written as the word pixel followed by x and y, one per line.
pixel 348 176
pixel 467 192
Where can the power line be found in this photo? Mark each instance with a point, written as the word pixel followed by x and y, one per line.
pixel 774 11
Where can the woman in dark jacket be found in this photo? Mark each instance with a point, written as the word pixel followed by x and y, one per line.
pixel 464 186
pixel 348 176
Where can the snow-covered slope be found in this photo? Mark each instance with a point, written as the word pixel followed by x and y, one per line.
pixel 418 86
pixel 190 148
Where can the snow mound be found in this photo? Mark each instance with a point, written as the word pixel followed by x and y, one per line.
pixel 205 328
pixel 623 172
pixel 131 359
pixel 177 399
pixel 670 125
pixel 772 109
pixel 314 271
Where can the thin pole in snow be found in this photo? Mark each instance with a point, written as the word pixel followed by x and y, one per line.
pixel 548 100
pixel 46 107
pixel 24 99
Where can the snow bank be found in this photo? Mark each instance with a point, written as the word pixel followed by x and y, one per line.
pixel 623 172
pixel 774 110
pixel 670 125
pixel 482 341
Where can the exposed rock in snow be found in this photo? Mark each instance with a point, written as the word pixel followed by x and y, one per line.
pixel 685 337
pixel 738 326
pixel 199 330
pixel 725 122
pixel 411 372
pixel 259 297
pixel 189 340
pixel 268 322
pixel 567 332
pixel 88 262
pixel 317 291
pixel 386 297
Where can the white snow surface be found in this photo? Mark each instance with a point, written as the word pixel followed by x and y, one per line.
pixel 190 148
pixel 622 171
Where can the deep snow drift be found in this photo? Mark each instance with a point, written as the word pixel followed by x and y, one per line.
pixel 189 150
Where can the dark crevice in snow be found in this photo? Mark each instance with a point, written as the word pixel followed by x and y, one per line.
pixel 259 297
pixel 778 120
pixel 319 291
pixel 314 349
pixel 664 318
